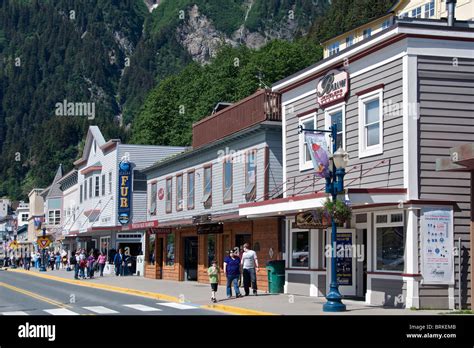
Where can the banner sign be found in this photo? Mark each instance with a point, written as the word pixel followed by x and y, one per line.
pixel 210 228
pixel 160 230
pixel 438 243
pixel 344 264
pixel 332 87
pixel 318 149
pixel 311 219
pixel 37 221
pixel 140 225
pixel 125 183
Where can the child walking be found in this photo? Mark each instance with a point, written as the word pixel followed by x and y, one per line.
pixel 213 273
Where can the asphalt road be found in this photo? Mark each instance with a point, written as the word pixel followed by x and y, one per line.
pixel 22 294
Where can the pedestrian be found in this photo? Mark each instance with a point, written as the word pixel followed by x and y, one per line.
pixel 232 272
pixel 213 273
pixel 90 265
pixel 74 262
pixel 82 264
pixel 57 259
pixel 27 261
pixel 101 260
pixel 38 260
pixel 118 260
pixel 249 269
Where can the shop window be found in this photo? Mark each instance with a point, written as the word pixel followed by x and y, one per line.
pixel 211 249
pixel 191 186
pixel 170 249
pixel 390 242
pixel 250 176
pixel 151 249
pixel 429 9
pixel 169 192
pixel 97 186
pixel 153 198
pixel 103 184
pixel 361 218
pixel 179 192
pixel 300 249
pixel 336 115
pixel 371 124
pixel 227 172
pixel 308 122
pixel 207 187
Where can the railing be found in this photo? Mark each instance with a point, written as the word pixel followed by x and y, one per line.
pixel 264 105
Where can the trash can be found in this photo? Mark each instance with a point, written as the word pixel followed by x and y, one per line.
pixel 276 276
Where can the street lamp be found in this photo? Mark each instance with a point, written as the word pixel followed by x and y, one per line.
pixel 42 267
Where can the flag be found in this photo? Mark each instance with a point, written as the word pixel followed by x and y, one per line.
pixel 317 147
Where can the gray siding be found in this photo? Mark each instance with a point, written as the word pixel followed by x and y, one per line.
pixel 393 290
pixel 446 94
pixel 388 174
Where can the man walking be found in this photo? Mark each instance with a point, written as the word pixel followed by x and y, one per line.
pixel 118 260
pixel 250 269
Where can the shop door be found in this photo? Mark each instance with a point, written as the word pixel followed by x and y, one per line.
pixel 241 239
pixel 132 250
pixel 190 258
pixel 346 262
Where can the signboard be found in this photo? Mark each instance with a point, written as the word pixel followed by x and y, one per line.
pixel 37 221
pixel 332 87
pixel 201 219
pixel 344 263
pixel 43 242
pixel 311 219
pixel 140 225
pixel 125 188
pixel 160 230
pixel 161 193
pixel 318 149
pixel 437 240
pixel 210 228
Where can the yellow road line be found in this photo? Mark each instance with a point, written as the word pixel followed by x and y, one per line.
pixel 235 310
pixel 36 296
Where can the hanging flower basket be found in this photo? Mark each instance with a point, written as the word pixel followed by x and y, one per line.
pixel 340 210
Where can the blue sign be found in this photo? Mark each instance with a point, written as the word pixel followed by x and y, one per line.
pixel 124 192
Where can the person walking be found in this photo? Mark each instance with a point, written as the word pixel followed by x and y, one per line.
pixel 249 269
pixel 74 262
pixel 118 261
pixel 90 265
pixel 232 272
pixel 27 260
pixel 82 264
pixel 101 260
pixel 213 273
pixel 57 260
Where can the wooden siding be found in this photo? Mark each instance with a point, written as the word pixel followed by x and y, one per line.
pixel 446 94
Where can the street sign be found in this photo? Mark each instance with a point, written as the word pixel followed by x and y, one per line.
pixel 43 242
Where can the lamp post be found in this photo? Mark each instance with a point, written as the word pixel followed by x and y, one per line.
pixel 42 267
pixel 334 186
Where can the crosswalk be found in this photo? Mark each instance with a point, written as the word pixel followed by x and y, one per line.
pixel 101 310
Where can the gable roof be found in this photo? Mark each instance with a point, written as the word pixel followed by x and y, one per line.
pixel 55 188
pixel 92 134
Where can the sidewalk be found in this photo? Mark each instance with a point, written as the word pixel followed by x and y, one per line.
pixel 199 294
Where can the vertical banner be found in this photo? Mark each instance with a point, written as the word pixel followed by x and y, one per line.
pixel 437 239
pixel 344 258
pixel 124 194
pixel 317 147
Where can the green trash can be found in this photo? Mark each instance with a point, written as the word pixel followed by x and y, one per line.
pixel 276 276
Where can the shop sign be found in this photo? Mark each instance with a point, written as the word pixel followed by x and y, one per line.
pixel 318 149
pixel 437 240
pixel 124 201
pixel 140 225
pixel 344 264
pixel 311 219
pixel 161 193
pixel 202 219
pixel 333 87
pixel 210 228
pixel 160 230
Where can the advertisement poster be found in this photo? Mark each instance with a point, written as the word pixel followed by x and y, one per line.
pixel 125 187
pixel 437 252
pixel 344 258
pixel 317 147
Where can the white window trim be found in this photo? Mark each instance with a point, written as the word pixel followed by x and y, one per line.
pixel 290 259
pixel 308 164
pixel 388 224
pixel 364 150
pixel 328 112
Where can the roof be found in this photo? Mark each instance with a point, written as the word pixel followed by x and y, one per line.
pixel 92 134
pixel 55 190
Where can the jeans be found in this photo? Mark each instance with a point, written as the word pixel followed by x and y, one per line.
pixel 250 276
pixel 76 271
pixel 101 269
pixel 57 265
pixel 118 270
pixel 81 272
pixel 233 279
pixel 90 271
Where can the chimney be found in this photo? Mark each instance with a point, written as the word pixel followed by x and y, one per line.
pixel 451 7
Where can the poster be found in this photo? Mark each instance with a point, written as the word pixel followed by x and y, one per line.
pixel 344 258
pixel 317 147
pixel 437 239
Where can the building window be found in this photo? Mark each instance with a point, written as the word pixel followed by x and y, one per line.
pixel 97 186
pixel 85 189
pixel 80 194
pixel 103 184
pixel 334 49
pixel 207 187
pixel 179 192
pixel 110 183
pixel 367 33
pixel 24 218
pixel 349 40
pixel 371 124
pixel 386 24
pixel 211 249
pixel 300 249
pixel 90 187
pixel 54 217
pixel 153 199
pixel 403 15
pixel 170 249
pixel 250 176
pixel 227 173
pixel 429 9
pixel 169 192
pixel 390 242
pixel 308 122
pixel 191 190
pixel 336 115
pixel 416 12
pixel 151 249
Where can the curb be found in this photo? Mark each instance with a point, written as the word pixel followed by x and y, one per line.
pixel 142 293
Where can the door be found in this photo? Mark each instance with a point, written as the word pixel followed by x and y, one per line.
pixel 159 258
pixel 190 258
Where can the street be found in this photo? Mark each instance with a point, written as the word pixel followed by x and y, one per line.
pixel 23 295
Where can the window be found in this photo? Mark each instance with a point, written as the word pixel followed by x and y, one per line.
pixel 85 189
pixel 54 217
pixel 300 249
pixel 170 249
pixel 227 194
pixel 179 192
pixel 333 48
pixel 90 187
pixel 250 176
pixel 151 249
pixel 153 199
pixel 24 217
pixel 336 115
pixel 371 124
pixel 97 186
pixel 390 242
pixel 367 33
pixel 110 183
pixel 80 194
pixel 429 9
pixel 103 184
pixel 191 190
pixel 207 187
pixel 308 122
pixel 386 24
pixel 349 40
pixel 211 249
pixel 403 15
pixel 416 13
pixel 169 192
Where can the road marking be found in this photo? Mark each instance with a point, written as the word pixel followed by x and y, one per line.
pixel 100 310
pixel 15 313
pixel 177 305
pixel 60 311
pixel 36 296
pixel 142 308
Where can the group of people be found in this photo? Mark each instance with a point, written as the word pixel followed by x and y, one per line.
pixel 53 260
pixel 85 265
pixel 236 265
